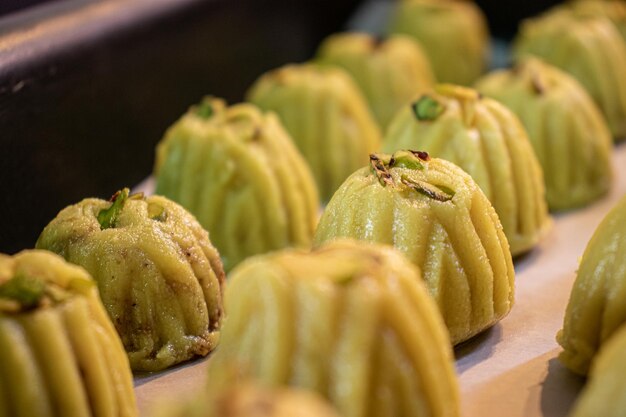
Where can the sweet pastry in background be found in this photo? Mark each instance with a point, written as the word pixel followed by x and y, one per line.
pixel 158 275
pixel 596 307
pixel 60 354
pixel 326 115
pixel 588 48
pixel 250 399
pixel 349 320
pixel 615 11
pixel 454 35
pixel 390 72
pixel 567 130
pixel 488 141
pixel 605 392
pixel 434 213
pixel 236 169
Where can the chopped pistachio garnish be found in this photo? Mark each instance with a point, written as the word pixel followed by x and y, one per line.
pixel 24 289
pixel 204 109
pixel 108 217
pixel 427 108
pixel 157 212
pixel 406 159
pixel 439 193
pixel 378 167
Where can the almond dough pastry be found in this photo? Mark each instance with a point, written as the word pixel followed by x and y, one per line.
pixel 434 213
pixel 566 129
pixel 588 48
pixel 250 399
pixel 615 11
pixel 236 169
pixel 488 141
pixel 605 392
pixel 349 320
pixel 325 114
pixel 390 72
pixel 453 33
pixel 159 277
pixel 60 354
pixel 596 307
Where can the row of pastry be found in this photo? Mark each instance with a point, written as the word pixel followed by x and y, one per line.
pixel 368 327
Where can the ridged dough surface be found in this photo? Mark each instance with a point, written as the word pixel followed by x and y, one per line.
pixel 605 392
pixel 325 114
pixel 348 320
pixel 250 399
pixel 389 72
pixel 489 142
pixel 596 308
pixel 454 35
pixel 160 278
pixel 588 48
pixel 59 356
pixel 239 173
pixel 566 129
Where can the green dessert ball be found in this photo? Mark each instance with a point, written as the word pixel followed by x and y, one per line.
pixel 349 320
pixel 453 33
pixel 566 129
pixel 390 72
pixel 596 309
pixel 325 114
pixel 435 214
pixel 588 48
pixel 158 275
pixel 236 169
pixel 60 356
pixel 488 141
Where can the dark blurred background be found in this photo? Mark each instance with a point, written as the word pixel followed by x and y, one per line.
pixel 87 87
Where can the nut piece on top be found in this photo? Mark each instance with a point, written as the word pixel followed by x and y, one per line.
pixel 349 320
pixel 596 307
pixel 159 277
pixel 434 213
pixel 488 141
pixel 325 114
pixel 236 169
pixel 250 399
pixel 568 133
pixel 605 392
pixel 390 72
pixel 453 33
pixel 588 48
pixel 60 354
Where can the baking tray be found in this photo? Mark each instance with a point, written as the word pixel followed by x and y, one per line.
pixel 510 370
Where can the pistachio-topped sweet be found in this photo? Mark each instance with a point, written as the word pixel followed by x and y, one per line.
pixel 389 72
pixel 587 47
pixel 236 169
pixel 596 308
pixel 433 212
pixel 349 320
pixel 561 119
pixel 326 115
pixel 453 33
pixel 60 354
pixel 488 141
pixel 158 275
